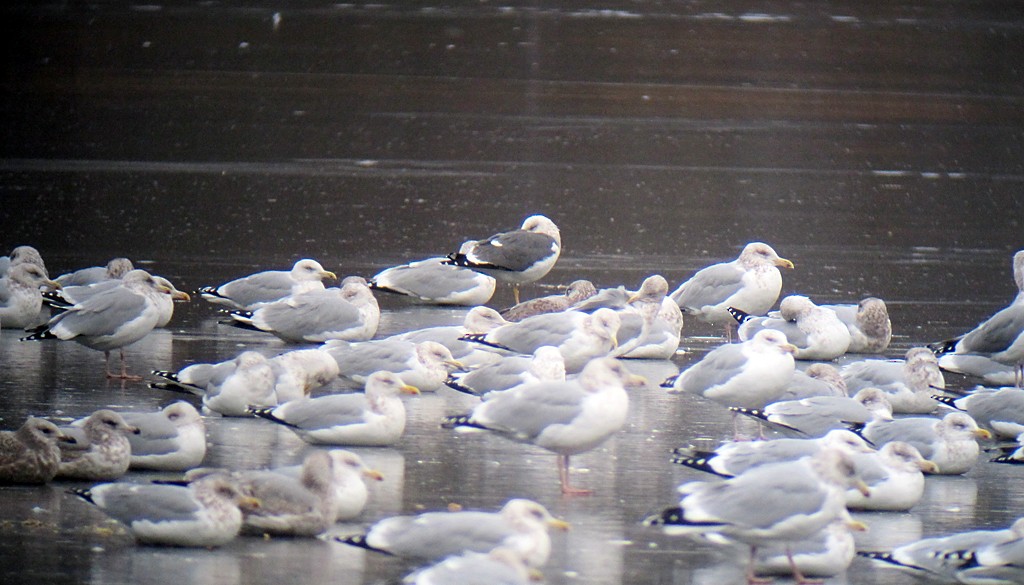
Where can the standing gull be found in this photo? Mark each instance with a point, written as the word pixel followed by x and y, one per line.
pixel 437 282
pixel 521 525
pixel 103 453
pixel 30 454
pixel 20 297
pixel 204 514
pixel 516 257
pixel 751 283
pixel 110 320
pixel 566 418
pixel 373 418
pixel 171 439
pixel 250 292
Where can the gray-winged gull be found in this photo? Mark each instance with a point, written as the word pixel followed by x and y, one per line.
pixel 115 269
pixel 817 333
pixel 477 320
pixel 375 417
pixel 827 553
pixel 235 385
pixel 425 365
pixel 951 442
pixel 110 320
pixel 20 297
pixel 249 292
pixel 299 372
pixel 818 379
pixel 909 383
pixel 521 525
pixel 895 475
pixel 30 454
pixel 1001 410
pixel 650 323
pixel 545 365
pixel 566 418
pixel 434 281
pixel 575 292
pixel 779 503
pixel 868 322
pixel 580 337
pixel 204 514
pixel 516 257
pixel 750 283
pixel 170 439
pixel 103 453
pixel 350 313
pixel 349 483
pixel 817 415
pixel 501 566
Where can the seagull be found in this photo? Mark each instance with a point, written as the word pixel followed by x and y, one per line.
pixel 818 379
pixel 110 320
pixel 909 384
pixel 204 514
pixel 521 525
pixel 31 454
pixel 817 415
pixel 751 283
pixel 545 365
pixel 501 566
pixel 20 297
pixel 868 323
pixel 227 388
pixel 424 365
pixel 114 270
pixel 299 372
pixel 22 255
pixel 436 282
pixel 516 257
pixel 951 442
pixel 373 418
pixel 349 483
pixel 566 418
pixel 1000 411
pixel 250 292
pixel 103 452
pixel 772 504
pixel 576 292
pixel 817 333
pixel 895 476
pixel 171 439
pixel 469 354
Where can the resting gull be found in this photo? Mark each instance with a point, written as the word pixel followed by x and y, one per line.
pixel 521 525
pixel 204 514
pixel 114 270
pixel 1000 411
pixel 517 257
pixel 348 482
pixel 818 379
pixel 424 365
pixel 951 442
pixel 250 292
pixel 566 418
pixel 22 255
pixel 816 332
pixel 895 476
pixel 501 566
pixel 477 320
pixel 437 282
pixel 101 452
pixel 299 372
pixel 545 365
pixel 350 313
pixel 576 292
pixel 909 383
pixel 817 415
pixel 20 297
pixel 110 320
pixel 30 454
pixel 170 439
pixel 868 323
pixel 375 417
pixel 751 283
pixel 826 554
pixel 773 504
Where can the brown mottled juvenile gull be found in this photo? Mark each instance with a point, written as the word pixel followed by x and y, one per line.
pixel 575 292
pixel 375 417
pixel 204 514
pixel 1001 336
pixel 114 270
pixel 517 257
pixel 909 383
pixel 817 415
pixel 751 283
pixel 580 337
pixel 350 313
pixel 868 323
pixel 22 255
pixel 434 281
pixel 20 297
pixel 951 442
pixel 170 439
pixel 110 320
pixel 424 365
pixel 521 525
pixel 30 454
pixel 348 482
pixel 1000 411
pixel 102 451
pixel 250 292
pixel 817 333
pixel 566 418
pixel 748 374
pixel 545 365
pixel 779 503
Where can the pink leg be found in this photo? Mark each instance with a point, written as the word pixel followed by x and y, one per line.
pixel 563 474
pixel 752 578
pixel 797 575
pixel 124 375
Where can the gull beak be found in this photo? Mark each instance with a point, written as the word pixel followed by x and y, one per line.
pixel 857 526
pixel 783 263
pixel 928 466
pixel 67 439
pixel 407 389
pixel 373 474
pixel 457 365
pixel 134 430
pixel 863 488
pixel 789 348
pixel 249 503
pixel 53 284
pixel 559 524
pixel 982 434
pixel 180 295
pixel 328 274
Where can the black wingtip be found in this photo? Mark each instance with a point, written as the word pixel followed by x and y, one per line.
pixel 83 493
pixel 481 338
pixel 454 384
pixel 40 333
pixel 267 412
pixel 359 540
pixel 1008 459
pixel 741 317
pixel 947 400
pixel 669 382
pixel 941 348
pixel 462 420
pixel 700 463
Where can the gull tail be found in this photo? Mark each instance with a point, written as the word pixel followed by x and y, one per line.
pixel 740 316
pixel 947 400
pixel 359 540
pixel 40 333
pixel 700 463
pixel 268 413
pixel 453 383
pixel 481 338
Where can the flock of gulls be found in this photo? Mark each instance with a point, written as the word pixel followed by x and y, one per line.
pixel 821 424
